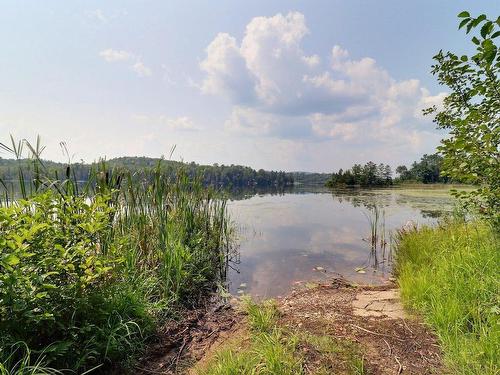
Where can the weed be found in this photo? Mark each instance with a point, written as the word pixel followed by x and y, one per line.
pixel 449 274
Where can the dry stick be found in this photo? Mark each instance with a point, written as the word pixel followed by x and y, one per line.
pixel 400 365
pixel 180 353
pixel 376 333
pixel 390 349
pixel 400 370
pixel 406 326
pixel 175 360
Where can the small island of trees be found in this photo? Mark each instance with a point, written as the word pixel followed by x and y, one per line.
pixel 426 171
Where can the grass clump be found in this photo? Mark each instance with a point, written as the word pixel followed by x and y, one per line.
pixel 273 349
pixel 449 274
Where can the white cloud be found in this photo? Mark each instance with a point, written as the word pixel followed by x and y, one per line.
pixel 334 126
pixel 250 121
pixel 226 70
pixel 277 89
pixel 427 101
pixel 98 16
pixel 141 69
pixel 183 123
pixel 112 55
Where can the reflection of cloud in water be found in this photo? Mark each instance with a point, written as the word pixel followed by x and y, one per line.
pixel 275 273
pixel 277 231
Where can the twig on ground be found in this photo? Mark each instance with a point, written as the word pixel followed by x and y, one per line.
pixel 390 349
pixel 376 333
pixel 400 370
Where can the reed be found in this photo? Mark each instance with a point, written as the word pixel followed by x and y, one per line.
pixel 142 246
pixel 378 238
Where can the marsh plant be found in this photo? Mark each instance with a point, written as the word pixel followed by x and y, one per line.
pixel 87 272
pixel 380 248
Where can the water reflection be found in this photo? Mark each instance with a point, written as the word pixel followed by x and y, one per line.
pixel 307 234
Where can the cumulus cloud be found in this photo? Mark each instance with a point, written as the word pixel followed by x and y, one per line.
pixel 277 89
pixel 111 55
pixel 250 121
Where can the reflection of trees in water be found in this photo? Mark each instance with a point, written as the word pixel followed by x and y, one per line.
pixel 381 242
pixel 428 207
pixel 362 198
pixel 248 192
pixel 379 248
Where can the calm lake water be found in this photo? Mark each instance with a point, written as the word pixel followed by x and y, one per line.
pixel 292 239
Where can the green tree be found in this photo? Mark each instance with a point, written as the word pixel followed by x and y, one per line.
pixel 471 113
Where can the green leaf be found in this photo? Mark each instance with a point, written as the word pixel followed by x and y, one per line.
pixel 11 259
pixel 495 35
pixel 475 40
pixel 490 51
pixel 479 19
pixel 463 23
pixel 486 29
pixel 464 14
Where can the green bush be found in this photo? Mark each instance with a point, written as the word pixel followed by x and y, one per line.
pixel 54 277
pixel 50 260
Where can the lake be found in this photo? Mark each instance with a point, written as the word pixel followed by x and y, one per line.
pixel 292 239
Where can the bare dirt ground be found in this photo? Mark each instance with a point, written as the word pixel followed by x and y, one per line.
pixel 370 316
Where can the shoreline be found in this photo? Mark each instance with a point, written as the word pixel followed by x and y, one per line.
pixel 369 317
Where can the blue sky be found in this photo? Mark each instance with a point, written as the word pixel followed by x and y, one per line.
pixel 294 85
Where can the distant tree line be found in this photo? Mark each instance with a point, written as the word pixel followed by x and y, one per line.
pixel 426 171
pixel 366 175
pixel 221 176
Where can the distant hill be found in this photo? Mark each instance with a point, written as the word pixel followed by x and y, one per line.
pixel 230 176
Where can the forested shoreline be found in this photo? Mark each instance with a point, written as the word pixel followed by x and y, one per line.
pixel 226 176
pixel 426 171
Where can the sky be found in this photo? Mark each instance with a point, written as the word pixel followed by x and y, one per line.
pixel 288 85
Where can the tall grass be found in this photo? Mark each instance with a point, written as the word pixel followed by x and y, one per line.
pixel 90 270
pixel 449 274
